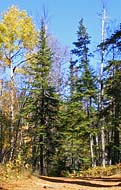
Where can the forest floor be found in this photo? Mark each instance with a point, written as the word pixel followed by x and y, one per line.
pixel 63 183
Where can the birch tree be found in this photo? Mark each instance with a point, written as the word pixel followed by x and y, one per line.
pixel 18 37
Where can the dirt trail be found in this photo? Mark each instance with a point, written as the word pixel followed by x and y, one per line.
pixel 62 183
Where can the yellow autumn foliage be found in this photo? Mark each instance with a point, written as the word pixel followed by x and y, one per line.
pixel 17 34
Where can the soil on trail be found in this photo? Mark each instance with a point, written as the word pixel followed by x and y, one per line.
pixel 62 183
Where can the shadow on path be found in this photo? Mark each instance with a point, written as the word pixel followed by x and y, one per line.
pixel 80 181
pixel 105 179
pixel 1 188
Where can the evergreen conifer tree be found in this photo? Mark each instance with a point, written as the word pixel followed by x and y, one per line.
pixel 42 106
pixel 112 111
pixel 78 122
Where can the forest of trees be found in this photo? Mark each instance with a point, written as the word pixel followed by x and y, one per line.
pixel 57 113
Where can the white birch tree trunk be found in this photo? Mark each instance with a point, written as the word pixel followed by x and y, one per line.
pixel 12 111
pixel 91 150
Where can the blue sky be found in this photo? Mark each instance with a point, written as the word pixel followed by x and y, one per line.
pixel 64 15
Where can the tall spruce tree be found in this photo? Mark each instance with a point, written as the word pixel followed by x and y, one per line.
pixel 42 106
pixel 78 120
pixel 85 84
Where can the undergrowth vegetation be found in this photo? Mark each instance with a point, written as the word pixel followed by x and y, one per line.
pixel 14 171
pixel 18 171
pixel 99 171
